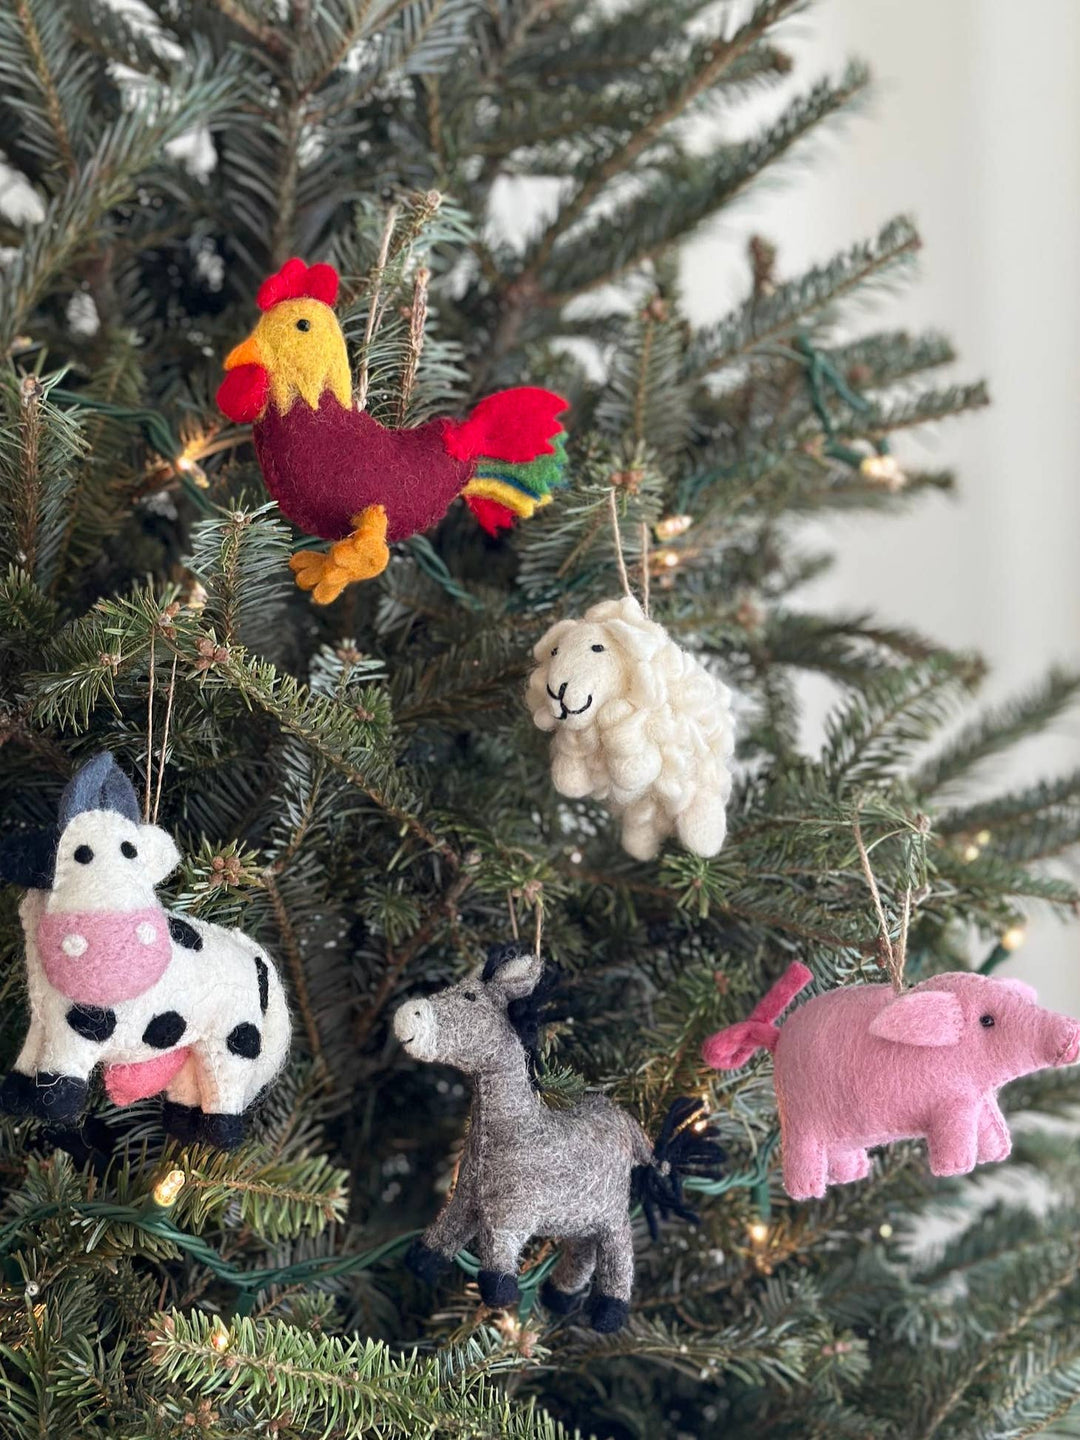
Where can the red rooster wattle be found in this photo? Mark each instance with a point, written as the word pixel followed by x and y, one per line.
pixel 337 473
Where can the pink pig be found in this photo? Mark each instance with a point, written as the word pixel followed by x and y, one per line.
pixel 862 1066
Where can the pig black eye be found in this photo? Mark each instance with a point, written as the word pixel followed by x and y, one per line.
pixel 303 324
pixel 470 994
pixel 127 849
pixel 84 854
pixel 986 1021
pixel 598 648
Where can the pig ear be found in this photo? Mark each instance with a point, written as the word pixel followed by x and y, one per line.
pixel 921 1017
pixel 1020 988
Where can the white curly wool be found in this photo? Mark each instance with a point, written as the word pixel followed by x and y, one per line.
pixel 637 723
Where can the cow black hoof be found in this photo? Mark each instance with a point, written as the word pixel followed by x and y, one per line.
pixel 607 1314
pixel 46 1096
pixel 182 1122
pixel 560 1302
pixel 224 1132
pixel 498 1289
pixel 424 1262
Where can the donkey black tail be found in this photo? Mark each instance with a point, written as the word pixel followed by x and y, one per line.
pixel 686 1145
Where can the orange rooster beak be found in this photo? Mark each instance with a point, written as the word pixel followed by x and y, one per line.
pixel 246 353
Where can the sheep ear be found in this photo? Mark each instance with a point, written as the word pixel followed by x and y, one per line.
pixel 512 974
pixel 921 1017
pixel 158 853
pixel 543 647
pixel 1020 988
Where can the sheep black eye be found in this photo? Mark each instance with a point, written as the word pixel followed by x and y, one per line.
pixel 598 648
pixel 84 854
pixel 303 324
pixel 127 849
pixel 470 994
pixel 986 1021
pixel 556 650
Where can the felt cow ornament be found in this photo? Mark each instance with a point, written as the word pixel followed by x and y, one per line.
pixel 638 723
pixel 526 1170
pixel 337 473
pixel 167 1004
pixel 862 1066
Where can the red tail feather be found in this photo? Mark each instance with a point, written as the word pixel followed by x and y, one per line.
pixel 492 516
pixel 514 426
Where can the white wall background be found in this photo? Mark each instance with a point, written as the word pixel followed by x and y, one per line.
pixel 974 128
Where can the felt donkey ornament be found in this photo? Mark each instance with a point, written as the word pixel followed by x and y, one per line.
pixel 864 1065
pixel 529 1171
pixel 167 1004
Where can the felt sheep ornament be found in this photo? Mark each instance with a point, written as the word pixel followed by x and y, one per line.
pixel 864 1065
pixel 167 1004
pixel 638 723
pixel 529 1171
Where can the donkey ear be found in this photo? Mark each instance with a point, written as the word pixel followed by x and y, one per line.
pixel 921 1017
pixel 158 853
pixel 515 977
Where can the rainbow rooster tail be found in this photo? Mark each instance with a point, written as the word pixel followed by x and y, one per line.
pixel 518 446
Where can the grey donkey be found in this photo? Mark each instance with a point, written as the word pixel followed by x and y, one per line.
pixel 527 1170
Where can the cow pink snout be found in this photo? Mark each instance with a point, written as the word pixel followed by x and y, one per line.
pixel 99 957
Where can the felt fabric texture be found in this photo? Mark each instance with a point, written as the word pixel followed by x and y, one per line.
pixel 326 463
pixel 638 723
pixel 525 1170
pixel 164 1003
pixel 860 1067
pixel 359 557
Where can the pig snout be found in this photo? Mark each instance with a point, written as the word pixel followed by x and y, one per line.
pixel 1066 1042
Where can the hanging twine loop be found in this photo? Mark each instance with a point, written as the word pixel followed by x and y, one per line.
pixel 891 954
pixel 620 558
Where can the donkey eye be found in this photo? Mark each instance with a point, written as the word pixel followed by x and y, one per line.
pixel 127 849
pixel 470 995
pixel 303 324
pixel 986 1021
pixel 598 648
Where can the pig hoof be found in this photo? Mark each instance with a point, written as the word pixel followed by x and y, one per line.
pixel 498 1289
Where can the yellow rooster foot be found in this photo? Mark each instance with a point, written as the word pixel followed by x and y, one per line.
pixel 361 556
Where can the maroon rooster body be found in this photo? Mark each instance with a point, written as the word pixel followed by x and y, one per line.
pixel 336 472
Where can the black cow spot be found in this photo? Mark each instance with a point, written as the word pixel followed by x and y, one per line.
pixel 164 1030
pixel 245 1040
pixel 91 1022
pixel 184 934
pixel 264 983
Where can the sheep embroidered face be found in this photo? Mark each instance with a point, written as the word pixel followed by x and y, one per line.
pixel 638 723
pixel 165 1003
pixel 861 1066
pixel 527 1170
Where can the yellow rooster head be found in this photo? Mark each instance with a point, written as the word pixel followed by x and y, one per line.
pixel 296 351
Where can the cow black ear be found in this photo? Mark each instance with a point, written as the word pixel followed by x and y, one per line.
pixel 29 859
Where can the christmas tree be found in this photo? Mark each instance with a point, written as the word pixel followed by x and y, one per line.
pixel 360 787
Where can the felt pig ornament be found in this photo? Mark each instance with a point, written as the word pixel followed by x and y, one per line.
pixel 167 1004
pixel 863 1066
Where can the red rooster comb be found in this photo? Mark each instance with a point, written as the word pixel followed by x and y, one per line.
pixel 294 281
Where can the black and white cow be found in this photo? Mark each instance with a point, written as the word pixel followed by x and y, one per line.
pixel 166 1003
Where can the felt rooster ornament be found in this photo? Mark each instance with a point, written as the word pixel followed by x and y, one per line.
pixel 336 472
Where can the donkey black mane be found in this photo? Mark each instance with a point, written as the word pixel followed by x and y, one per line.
pixel 529 1015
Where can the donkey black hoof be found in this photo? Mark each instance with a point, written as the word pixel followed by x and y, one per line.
pixel 498 1289
pixel 560 1302
pixel 224 1132
pixel 425 1263
pixel 46 1096
pixel 607 1314
pixel 182 1122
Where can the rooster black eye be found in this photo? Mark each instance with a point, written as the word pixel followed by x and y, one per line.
pixel 470 994
pixel 127 849
pixel 598 648
pixel 986 1021
pixel 303 324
